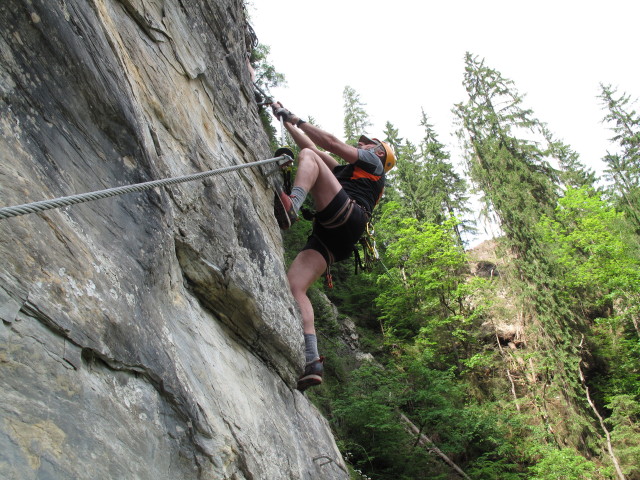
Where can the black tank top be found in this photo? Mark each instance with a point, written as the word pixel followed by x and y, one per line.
pixel 363 180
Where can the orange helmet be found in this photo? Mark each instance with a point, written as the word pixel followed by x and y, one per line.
pixel 389 160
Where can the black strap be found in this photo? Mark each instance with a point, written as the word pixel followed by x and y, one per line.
pixel 288 183
pixel 307 213
pixel 357 259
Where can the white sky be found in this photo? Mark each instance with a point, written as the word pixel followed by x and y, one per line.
pixel 556 51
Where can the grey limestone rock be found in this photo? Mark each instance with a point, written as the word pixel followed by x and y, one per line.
pixel 150 335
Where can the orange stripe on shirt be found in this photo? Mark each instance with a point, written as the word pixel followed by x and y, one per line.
pixel 360 173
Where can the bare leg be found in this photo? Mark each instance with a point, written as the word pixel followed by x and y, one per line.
pixel 315 177
pixel 307 267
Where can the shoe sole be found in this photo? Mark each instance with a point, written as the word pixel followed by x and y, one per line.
pixel 309 381
pixel 284 222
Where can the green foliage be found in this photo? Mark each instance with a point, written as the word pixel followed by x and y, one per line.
pixel 598 271
pixel 446 188
pixel 490 467
pixel 392 137
pixel 587 241
pixel 564 464
pixel 267 76
pixel 367 411
pixel 509 155
pixel 437 401
pixel 625 435
pixel 424 182
pixel 355 294
pixel 426 294
pixel 572 172
pixel 366 414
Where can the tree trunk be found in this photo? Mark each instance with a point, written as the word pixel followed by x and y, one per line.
pixel 425 441
pixel 602 425
pixel 513 385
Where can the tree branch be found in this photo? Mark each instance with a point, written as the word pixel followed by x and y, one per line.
pixel 423 440
pixel 601 420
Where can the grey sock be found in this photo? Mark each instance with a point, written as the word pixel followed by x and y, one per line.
pixel 298 194
pixel 310 347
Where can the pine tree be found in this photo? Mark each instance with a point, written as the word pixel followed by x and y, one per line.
pixel 511 171
pixel 447 190
pixel 409 181
pixel 425 182
pixel 573 173
pixel 391 192
pixel 356 119
pixel 392 137
pixel 624 167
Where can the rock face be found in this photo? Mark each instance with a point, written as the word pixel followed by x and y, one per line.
pixel 150 335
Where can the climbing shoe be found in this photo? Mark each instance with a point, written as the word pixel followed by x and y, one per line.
pixel 312 375
pixel 283 210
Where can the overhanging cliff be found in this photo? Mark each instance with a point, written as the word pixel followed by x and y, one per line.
pixel 152 335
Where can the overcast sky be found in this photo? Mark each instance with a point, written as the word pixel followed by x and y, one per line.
pixel 402 56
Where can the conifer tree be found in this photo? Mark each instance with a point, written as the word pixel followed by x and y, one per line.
pixel 409 181
pixel 356 119
pixel 392 137
pixel 391 192
pixel 624 166
pixel 428 188
pixel 573 173
pixel 511 171
pixel 446 189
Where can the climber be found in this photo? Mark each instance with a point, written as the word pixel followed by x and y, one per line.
pixel 344 197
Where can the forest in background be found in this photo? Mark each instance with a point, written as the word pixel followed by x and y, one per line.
pixel 519 360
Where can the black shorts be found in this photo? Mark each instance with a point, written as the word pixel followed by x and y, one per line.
pixel 337 228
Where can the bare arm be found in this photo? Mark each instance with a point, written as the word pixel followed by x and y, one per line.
pixel 330 142
pixel 304 141
pixel 298 136
pixel 316 136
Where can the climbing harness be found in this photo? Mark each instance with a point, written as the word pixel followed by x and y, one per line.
pixel 366 241
pixel 7 212
pixel 369 250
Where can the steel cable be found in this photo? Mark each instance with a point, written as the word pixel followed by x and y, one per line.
pixel 7 212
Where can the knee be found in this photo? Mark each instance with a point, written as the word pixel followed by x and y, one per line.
pixel 308 155
pixel 298 289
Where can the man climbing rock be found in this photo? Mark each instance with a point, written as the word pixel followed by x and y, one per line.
pixel 344 197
